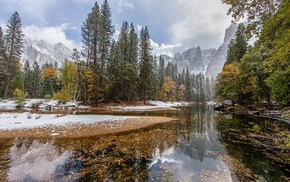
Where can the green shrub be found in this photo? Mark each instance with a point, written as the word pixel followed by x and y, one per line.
pixel 61 96
pixel 19 95
pixel 47 96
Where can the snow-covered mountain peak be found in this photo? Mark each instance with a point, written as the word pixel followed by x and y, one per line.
pixel 43 52
pixel 207 61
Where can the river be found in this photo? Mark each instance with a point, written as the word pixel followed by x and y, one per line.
pixel 196 146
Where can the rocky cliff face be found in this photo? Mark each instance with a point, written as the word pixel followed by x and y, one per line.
pixel 43 52
pixel 195 59
pixel 207 61
pixel 219 59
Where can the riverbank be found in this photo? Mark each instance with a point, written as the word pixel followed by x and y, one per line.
pixel 267 131
pixel 278 113
pixel 93 125
pixel 44 106
pixel 72 120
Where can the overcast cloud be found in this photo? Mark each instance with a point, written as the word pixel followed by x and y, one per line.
pixel 174 25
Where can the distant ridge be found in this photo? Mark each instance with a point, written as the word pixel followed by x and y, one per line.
pixel 207 61
pixel 42 52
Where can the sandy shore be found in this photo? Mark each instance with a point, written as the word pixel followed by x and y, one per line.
pixel 85 130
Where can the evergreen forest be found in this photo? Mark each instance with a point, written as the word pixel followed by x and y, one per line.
pixel 104 70
pixel 108 69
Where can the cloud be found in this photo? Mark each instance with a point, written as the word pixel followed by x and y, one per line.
pixel 52 34
pixel 124 5
pixel 84 1
pixel 116 34
pixel 203 25
pixel 139 27
pixel 164 49
pixel 35 9
pixel 174 26
pixel 190 23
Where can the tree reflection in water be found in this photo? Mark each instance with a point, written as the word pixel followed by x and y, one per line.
pixel 187 149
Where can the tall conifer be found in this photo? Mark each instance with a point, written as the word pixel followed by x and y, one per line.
pixel 187 86
pixel 3 62
pixel 146 65
pixel 14 44
pixel 36 80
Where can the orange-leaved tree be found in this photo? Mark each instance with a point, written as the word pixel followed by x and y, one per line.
pixel 167 92
pixel 227 83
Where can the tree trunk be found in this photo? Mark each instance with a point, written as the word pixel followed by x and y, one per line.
pixel 5 94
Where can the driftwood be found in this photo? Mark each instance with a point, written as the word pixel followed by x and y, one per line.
pixel 265 144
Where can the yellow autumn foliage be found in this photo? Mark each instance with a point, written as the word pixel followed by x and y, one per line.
pixel 167 93
pixel 49 72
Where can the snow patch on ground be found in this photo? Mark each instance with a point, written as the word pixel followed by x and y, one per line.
pixel 154 105
pixel 10 121
pixel 168 104
pixel 44 105
pixel 8 105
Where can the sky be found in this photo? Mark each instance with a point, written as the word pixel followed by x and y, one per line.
pixel 174 25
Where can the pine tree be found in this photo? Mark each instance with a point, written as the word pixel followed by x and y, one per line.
pixel 3 62
pixel 97 32
pixel 202 94
pixel 208 90
pixel 161 72
pixel 14 45
pixel 36 81
pixel 91 46
pixel 238 47
pixel 86 31
pixel 187 86
pixel 195 88
pixel 106 33
pixel 124 66
pixel 2 48
pixel 146 65
pixel 16 81
pixel 133 61
pixel 168 70
pixel 27 76
pixel 94 39
pixel 154 90
pixel 114 72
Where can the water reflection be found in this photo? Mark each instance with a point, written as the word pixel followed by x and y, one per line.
pixel 188 149
pixel 185 150
pixel 195 156
pixel 252 163
pixel 37 161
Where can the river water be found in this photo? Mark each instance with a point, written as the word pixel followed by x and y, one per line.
pixel 196 146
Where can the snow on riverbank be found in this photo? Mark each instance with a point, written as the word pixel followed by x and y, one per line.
pixel 52 105
pixel 154 105
pixel 8 105
pixel 10 121
pixel 168 104
pixel 26 120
